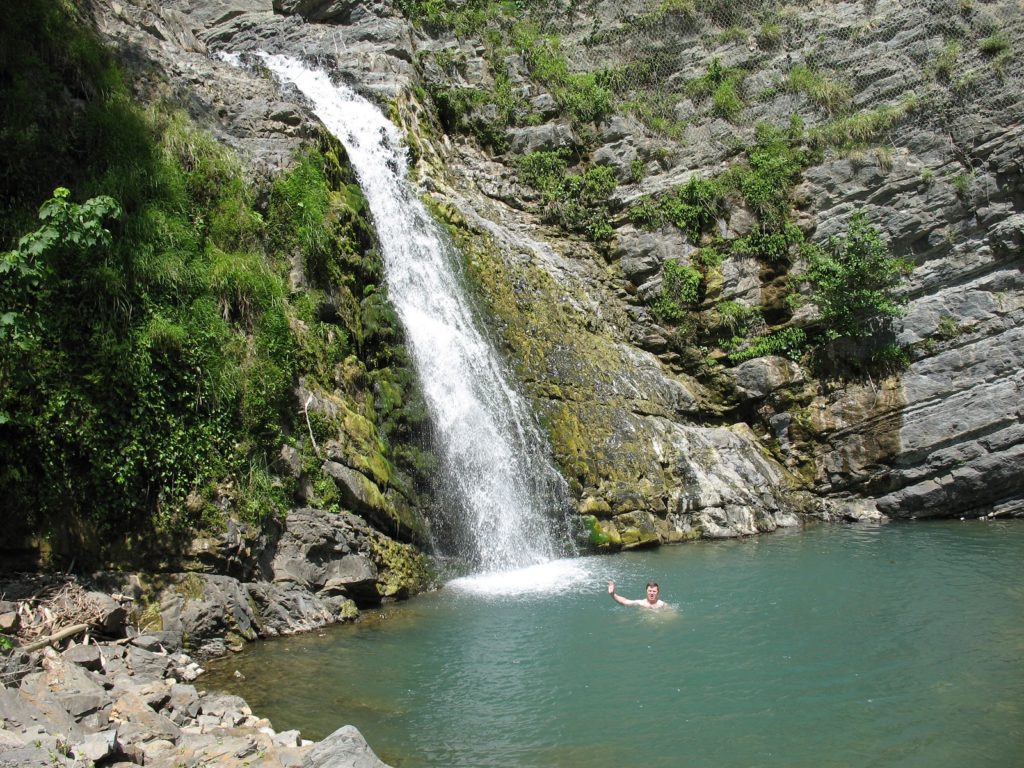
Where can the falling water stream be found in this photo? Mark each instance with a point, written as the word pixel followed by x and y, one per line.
pixel 498 482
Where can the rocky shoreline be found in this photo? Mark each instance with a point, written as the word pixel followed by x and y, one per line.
pixel 105 670
pixel 133 702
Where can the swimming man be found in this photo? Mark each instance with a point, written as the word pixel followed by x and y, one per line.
pixel 651 601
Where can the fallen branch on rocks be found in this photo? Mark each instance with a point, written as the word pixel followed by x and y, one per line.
pixel 57 611
pixel 55 638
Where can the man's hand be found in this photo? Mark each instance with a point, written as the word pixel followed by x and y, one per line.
pixel 611 587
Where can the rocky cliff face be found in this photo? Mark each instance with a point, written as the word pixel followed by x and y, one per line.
pixel 908 112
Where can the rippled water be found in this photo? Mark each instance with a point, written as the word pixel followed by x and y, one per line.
pixel 898 645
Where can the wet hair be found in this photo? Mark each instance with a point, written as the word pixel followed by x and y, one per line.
pixel 653 584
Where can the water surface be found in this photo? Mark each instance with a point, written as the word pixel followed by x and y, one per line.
pixel 896 645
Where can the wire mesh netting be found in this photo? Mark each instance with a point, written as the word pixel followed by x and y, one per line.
pixel 674 62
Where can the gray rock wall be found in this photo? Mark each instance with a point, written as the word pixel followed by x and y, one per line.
pixel 633 433
pixel 942 438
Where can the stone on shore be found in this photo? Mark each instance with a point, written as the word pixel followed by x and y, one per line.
pixel 345 748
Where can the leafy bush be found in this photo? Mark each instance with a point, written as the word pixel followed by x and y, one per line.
pixel 855 282
pixel 774 163
pixel 691 207
pixel 582 96
pixel 544 171
pixel 785 342
pixel 576 201
pixel 680 291
pixel 771 246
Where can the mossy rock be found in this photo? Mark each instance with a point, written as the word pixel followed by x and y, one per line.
pixel 403 570
pixel 348 611
pixel 594 507
pixel 363 447
pixel 602 535
pixel 358 492
pixel 671 535
pixel 637 529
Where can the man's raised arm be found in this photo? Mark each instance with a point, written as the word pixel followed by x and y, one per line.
pixel 618 598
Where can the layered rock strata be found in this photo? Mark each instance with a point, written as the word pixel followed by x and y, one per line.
pixel 652 452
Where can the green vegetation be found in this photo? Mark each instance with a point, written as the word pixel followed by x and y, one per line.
pixel 860 129
pixel 723 85
pixel 680 291
pixel 678 7
pixel 774 164
pixel 638 86
pixel 691 207
pixel 580 95
pixel 762 182
pixel 945 63
pixel 149 344
pixel 995 44
pixel 760 179
pixel 962 183
pixel 855 282
pixel 823 92
pixel 948 328
pixel 768 245
pixel 786 342
pixel 576 201
pixel 733 34
pixel 769 35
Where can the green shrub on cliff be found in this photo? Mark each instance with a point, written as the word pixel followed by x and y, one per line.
pixel 680 290
pixel 691 207
pixel 855 281
pixel 723 85
pixel 579 202
pixel 773 165
pixel 581 95
pixel 785 342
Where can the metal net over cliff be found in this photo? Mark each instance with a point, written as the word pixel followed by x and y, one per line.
pixel 678 65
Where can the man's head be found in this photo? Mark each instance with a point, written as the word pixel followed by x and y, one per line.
pixel 652 591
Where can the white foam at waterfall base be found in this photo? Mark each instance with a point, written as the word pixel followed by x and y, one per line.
pixel 553 577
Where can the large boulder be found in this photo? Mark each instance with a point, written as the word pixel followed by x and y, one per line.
pixel 345 748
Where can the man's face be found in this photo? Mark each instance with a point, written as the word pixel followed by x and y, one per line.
pixel 652 594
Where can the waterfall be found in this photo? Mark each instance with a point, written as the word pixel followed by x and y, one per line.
pixel 497 475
